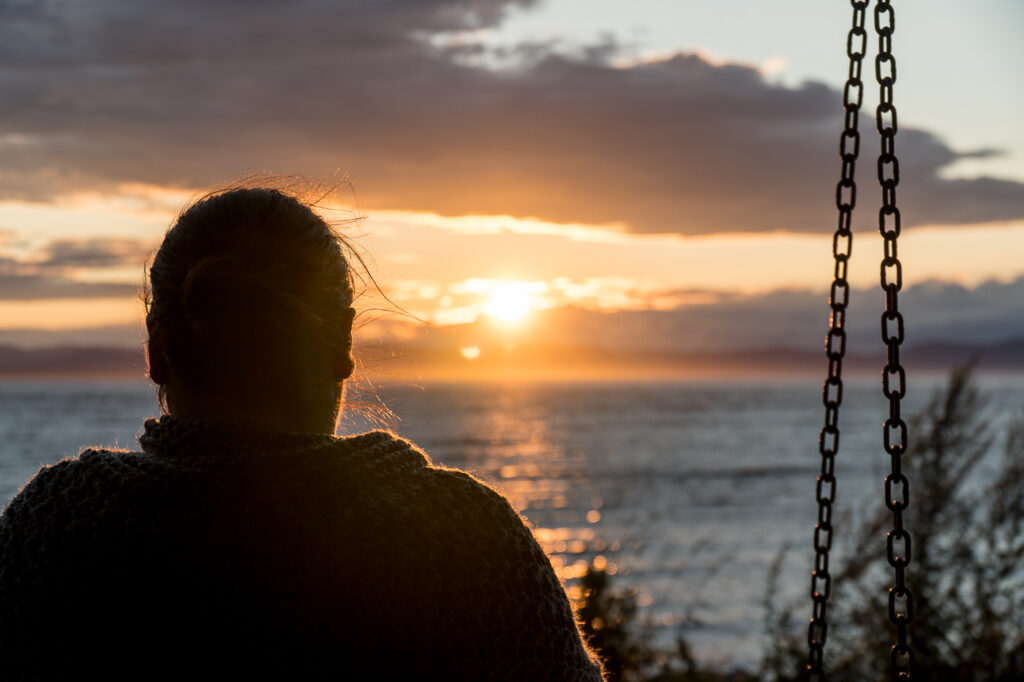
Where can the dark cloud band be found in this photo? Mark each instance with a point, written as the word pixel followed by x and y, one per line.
pixel 49 273
pixel 185 94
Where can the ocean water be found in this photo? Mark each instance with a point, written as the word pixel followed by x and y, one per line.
pixel 685 491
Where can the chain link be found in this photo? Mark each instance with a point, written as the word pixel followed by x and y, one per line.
pixel 835 343
pixel 894 432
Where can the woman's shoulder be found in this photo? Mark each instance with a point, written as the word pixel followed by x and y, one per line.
pixel 383 450
pixel 457 486
pixel 87 468
pixel 494 580
pixel 62 495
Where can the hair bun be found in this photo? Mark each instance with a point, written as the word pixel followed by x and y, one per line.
pixel 217 289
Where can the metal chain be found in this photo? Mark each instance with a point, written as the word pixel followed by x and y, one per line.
pixel 835 344
pixel 893 375
pixel 894 378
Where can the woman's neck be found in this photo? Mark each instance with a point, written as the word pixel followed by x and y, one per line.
pixel 265 411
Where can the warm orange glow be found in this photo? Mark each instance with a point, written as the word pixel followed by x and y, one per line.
pixel 60 313
pixel 508 302
pixel 470 352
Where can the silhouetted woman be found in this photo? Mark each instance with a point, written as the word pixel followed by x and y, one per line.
pixel 246 540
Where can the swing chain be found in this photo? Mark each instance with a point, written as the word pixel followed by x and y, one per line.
pixel 835 343
pixel 893 375
pixel 894 387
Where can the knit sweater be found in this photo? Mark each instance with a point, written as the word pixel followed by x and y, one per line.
pixel 218 551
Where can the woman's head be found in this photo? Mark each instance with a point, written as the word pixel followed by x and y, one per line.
pixel 249 311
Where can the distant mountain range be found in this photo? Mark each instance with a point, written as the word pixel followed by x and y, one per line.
pixel 442 360
pixel 72 361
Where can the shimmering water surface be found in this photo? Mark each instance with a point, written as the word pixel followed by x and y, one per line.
pixel 685 491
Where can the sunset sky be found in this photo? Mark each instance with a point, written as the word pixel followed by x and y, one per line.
pixel 624 166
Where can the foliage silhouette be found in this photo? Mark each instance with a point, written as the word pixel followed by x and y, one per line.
pixel 966 571
pixel 966 575
pixel 606 617
pixel 607 621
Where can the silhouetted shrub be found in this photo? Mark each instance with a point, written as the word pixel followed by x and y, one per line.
pixel 606 621
pixel 966 574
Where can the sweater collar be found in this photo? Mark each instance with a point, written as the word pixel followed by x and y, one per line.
pixel 191 437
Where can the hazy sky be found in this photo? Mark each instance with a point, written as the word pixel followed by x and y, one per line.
pixel 510 155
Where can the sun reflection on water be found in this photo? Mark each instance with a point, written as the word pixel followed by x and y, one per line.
pixel 543 477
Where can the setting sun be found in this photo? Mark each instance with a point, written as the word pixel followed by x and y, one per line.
pixel 509 300
pixel 508 303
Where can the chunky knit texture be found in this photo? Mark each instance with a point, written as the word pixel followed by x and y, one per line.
pixel 218 551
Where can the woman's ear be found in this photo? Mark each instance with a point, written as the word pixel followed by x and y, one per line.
pixel 344 367
pixel 344 364
pixel 157 363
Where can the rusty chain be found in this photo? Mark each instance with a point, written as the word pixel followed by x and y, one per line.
pixel 893 375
